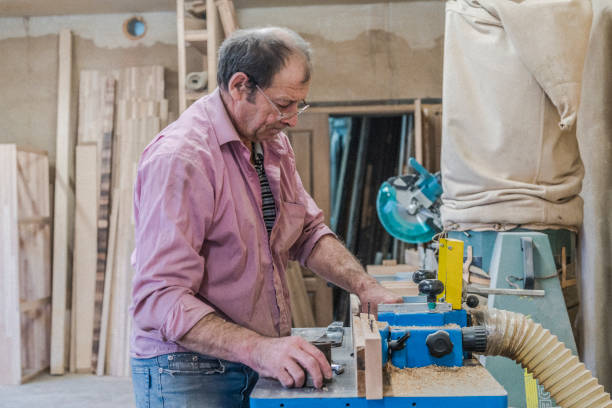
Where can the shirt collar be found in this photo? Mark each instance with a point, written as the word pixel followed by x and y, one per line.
pixel 225 130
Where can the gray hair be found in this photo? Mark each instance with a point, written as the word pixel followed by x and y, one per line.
pixel 260 53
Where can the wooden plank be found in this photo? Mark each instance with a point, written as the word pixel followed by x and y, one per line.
pixel 103 212
pixel 320 293
pixel 368 356
pixel 182 67
pixel 376 270
pixel 84 266
pixel 25 277
pixel 402 288
pixel 227 12
pixel 215 36
pixel 373 359
pixel 301 309
pixel 301 141
pixel 10 331
pixel 359 355
pixel 418 131
pixel 34 305
pixel 63 208
pixel 108 279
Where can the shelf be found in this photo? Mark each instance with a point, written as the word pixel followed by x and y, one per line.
pixel 194 36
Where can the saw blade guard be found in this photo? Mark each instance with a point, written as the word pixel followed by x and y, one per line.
pixel 398 221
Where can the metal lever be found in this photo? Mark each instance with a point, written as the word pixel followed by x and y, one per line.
pixel 528 270
pixel 395 345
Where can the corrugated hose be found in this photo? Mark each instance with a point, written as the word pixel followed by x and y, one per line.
pixel 519 338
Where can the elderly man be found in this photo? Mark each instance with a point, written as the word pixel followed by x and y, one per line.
pixel 219 210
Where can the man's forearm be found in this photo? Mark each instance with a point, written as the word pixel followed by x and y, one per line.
pixel 283 358
pixel 332 261
pixel 219 338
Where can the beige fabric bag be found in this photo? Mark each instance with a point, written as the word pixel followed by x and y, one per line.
pixel 512 77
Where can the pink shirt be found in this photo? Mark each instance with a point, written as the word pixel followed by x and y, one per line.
pixel 201 242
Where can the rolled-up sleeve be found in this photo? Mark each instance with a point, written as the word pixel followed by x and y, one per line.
pixel 173 207
pixel 314 225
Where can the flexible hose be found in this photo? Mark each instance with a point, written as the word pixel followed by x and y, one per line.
pixel 519 338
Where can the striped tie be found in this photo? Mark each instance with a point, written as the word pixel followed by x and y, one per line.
pixel 267 199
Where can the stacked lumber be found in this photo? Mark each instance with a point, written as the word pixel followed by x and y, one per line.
pixel 92 185
pixel 142 112
pixel 25 275
pixel 120 112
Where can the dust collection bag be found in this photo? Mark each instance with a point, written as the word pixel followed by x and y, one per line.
pixel 512 79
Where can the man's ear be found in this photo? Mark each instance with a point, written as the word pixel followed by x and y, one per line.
pixel 238 86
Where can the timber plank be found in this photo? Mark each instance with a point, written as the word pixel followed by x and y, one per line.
pixel 84 264
pixel 63 208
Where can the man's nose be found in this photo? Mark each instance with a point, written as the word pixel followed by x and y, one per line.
pixel 290 121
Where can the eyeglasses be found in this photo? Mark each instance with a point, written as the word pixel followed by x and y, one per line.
pixel 302 106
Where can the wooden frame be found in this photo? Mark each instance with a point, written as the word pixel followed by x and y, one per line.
pixel 25 276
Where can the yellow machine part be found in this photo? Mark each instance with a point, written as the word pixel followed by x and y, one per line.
pixel 450 271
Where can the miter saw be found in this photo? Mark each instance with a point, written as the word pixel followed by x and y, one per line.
pixel 408 206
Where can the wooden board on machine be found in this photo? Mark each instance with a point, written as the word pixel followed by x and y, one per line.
pixel 25 250
pixel 368 358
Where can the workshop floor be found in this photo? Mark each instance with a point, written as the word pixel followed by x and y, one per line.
pixel 69 391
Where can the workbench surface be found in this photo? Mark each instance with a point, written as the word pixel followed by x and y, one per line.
pixel 468 386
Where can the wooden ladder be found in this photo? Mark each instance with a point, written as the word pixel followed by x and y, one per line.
pixel 220 20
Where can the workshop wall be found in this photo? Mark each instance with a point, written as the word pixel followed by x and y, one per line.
pixel 374 50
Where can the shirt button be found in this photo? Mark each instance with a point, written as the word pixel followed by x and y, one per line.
pixel 161 370
pixel 170 358
pixel 194 358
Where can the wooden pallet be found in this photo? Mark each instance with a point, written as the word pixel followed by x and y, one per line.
pixel 25 276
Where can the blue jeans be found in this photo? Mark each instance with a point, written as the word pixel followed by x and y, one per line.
pixel 180 380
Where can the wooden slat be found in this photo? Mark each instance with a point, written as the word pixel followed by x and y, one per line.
pixel 84 266
pixel 301 309
pixel 108 281
pixel 182 67
pixel 301 141
pixel 215 36
pixel 376 270
pixel 402 288
pixel 368 357
pixel 63 210
pixel 25 277
pixel 418 131
pixel 104 198
pixel 227 12
pixel 320 293
pixel 10 331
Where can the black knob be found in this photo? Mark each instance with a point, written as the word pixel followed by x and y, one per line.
pixel 431 288
pixel 472 301
pixel 420 275
pixel 439 343
pixel 474 338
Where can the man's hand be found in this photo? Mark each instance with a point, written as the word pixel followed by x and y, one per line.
pixel 286 358
pixel 375 294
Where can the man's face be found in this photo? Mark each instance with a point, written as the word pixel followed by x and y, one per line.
pixel 258 119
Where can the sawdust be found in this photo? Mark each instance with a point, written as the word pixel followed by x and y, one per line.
pixel 472 379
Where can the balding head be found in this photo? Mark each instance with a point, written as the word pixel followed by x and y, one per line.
pixel 261 53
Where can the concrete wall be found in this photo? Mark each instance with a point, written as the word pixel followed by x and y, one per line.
pixel 362 51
